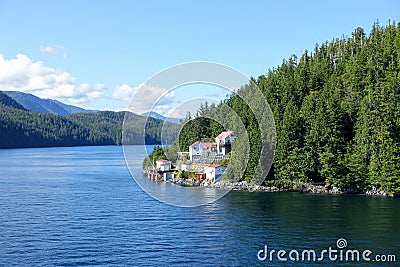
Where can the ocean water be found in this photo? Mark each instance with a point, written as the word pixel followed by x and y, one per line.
pixel 80 206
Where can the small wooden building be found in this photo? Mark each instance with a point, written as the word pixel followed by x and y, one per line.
pixel 214 171
pixel 163 165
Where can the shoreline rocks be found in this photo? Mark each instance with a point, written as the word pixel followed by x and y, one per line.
pixel 306 188
pixel 376 192
pixel 240 186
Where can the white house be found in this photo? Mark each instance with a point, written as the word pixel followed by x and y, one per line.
pixel 224 142
pixel 214 171
pixel 198 148
pixel 163 165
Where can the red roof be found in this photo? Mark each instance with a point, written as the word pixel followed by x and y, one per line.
pixel 207 144
pixel 213 165
pixel 162 160
pixel 195 143
pixel 224 135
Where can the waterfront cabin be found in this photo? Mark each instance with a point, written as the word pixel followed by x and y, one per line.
pixel 214 171
pixel 224 142
pixel 163 165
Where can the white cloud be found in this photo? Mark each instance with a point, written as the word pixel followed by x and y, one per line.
pixel 21 74
pixel 54 50
pixel 124 92
pixel 145 97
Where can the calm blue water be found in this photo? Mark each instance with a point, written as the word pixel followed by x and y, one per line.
pixel 80 206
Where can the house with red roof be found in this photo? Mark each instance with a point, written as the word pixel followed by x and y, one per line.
pixel 224 142
pixel 203 149
pixel 214 171
pixel 163 165
pixel 200 148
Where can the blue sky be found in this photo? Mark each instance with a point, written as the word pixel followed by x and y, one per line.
pixel 95 53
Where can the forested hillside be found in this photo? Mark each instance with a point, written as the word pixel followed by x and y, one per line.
pixel 24 128
pixel 337 113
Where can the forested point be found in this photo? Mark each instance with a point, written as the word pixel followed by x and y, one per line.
pixel 336 111
pixel 24 128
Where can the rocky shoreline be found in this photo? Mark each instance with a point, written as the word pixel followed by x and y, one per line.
pixel 304 188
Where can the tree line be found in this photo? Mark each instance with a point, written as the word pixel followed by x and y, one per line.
pixel 24 128
pixel 336 111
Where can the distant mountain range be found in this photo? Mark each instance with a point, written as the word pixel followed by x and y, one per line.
pixel 155 115
pixel 34 103
pixel 35 122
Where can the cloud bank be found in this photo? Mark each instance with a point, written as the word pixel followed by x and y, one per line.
pixel 21 74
